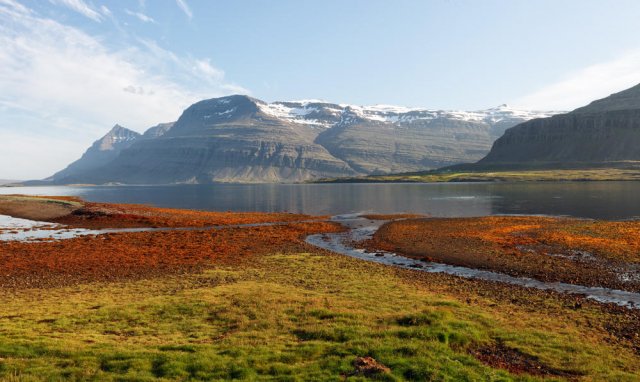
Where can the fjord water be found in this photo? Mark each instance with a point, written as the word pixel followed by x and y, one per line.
pixel 599 200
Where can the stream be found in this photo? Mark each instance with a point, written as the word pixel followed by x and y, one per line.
pixel 361 229
pixel 16 229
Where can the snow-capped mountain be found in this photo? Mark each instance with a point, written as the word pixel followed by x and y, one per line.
pixel 325 115
pixel 243 139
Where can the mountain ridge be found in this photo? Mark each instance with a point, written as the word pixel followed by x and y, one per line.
pixel 238 138
pixel 606 130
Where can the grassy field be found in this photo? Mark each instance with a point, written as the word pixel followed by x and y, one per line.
pixel 597 174
pixel 257 303
pixel 302 316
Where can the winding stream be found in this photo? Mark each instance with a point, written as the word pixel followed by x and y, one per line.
pixel 15 229
pixel 361 229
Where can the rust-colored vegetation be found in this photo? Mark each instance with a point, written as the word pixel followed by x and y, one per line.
pixel 501 356
pixel 118 256
pixel 587 252
pixel 75 212
pixel 103 215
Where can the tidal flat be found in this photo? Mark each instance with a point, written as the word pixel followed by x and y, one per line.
pixel 230 300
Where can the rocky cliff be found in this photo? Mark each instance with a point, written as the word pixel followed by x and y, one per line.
pixel 607 130
pixel 242 139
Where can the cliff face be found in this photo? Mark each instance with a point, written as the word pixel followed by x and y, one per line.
pixel 379 147
pixel 225 139
pixel 242 139
pixel 607 130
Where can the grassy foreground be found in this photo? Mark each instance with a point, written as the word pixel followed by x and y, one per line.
pixel 301 316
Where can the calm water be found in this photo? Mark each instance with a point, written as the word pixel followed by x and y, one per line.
pixel 604 200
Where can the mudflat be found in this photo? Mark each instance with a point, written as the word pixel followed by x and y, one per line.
pixel 38 208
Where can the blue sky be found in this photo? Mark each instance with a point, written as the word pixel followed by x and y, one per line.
pixel 70 69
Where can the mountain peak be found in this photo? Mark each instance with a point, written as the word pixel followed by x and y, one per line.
pixel 117 135
pixel 213 111
pixel 158 130
pixel 117 128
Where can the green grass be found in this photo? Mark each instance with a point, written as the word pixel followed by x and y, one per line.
pixel 598 174
pixel 288 317
pixel 25 198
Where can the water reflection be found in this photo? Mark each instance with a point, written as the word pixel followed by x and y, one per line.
pixel 606 200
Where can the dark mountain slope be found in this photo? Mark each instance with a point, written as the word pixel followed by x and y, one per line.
pixel 607 130
pixel 242 139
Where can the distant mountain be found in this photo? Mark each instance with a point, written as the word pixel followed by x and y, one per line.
pixel 243 139
pixel 157 130
pixel 8 181
pixel 101 152
pixel 605 131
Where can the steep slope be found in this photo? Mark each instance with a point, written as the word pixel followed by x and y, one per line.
pixel 387 140
pixel 101 152
pixel 242 139
pixel 607 130
pixel 157 130
pixel 225 139
pixel 384 139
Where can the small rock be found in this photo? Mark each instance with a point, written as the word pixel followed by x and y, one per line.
pixel 368 366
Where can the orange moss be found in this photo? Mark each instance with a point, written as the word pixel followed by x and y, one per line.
pixel 108 215
pixel 114 257
pixel 552 249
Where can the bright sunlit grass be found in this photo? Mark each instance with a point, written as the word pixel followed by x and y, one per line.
pixel 287 317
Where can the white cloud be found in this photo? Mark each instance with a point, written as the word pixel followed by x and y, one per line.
pixel 141 16
pixel 62 89
pixel 204 69
pixel 182 4
pixel 11 6
pixel 588 84
pixel 81 7
pixel 105 11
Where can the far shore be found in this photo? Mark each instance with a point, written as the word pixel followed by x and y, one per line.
pixel 544 175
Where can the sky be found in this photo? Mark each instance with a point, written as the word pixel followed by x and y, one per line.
pixel 71 69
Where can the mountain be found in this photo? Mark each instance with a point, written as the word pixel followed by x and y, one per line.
pixel 101 152
pixel 157 130
pixel 243 139
pixel 605 131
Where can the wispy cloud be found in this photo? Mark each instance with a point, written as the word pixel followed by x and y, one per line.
pixel 12 6
pixel 105 11
pixel 140 16
pixel 182 4
pixel 62 89
pixel 81 7
pixel 587 84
